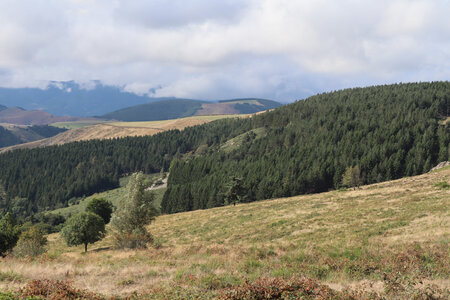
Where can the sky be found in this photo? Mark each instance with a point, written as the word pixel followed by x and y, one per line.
pixel 217 49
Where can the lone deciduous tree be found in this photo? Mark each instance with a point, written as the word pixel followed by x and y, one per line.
pixel 101 207
pixel 132 215
pixel 83 228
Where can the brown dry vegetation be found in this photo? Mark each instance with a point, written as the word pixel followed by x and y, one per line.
pixel 384 240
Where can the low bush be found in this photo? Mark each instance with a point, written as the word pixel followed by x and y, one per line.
pixel 278 288
pixel 31 243
pixel 55 290
pixel 134 240
pixel 10 276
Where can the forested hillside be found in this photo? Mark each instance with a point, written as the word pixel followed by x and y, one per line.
pixel 12 134
pixel 7 138
pixel 159 110
pixel 181 108
pixel 389 131
pixel 45 178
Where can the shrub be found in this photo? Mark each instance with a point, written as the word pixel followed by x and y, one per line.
pixel 277 288
pixel 9 233
pixel 55 290
pixel 31 243
pixel 132 240
pixel 10 276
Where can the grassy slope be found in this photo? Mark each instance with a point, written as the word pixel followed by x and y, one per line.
pixel 237 141
pixel 78 124
pixel 356 237
pixel 113 195
pixel 82 131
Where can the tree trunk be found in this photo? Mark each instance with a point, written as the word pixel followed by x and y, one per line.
pixel 85 247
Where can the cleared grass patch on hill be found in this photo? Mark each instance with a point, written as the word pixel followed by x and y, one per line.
pixel 390 239
pixel 236 142
pixel 114 196
pixel 78 124
pixel 175 123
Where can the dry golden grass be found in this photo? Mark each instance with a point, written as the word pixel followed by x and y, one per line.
pixel 119 129
pixel 354 238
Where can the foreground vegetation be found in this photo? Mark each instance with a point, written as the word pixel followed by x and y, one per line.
pixel 383 240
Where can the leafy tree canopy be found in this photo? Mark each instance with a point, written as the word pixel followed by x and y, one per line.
pixel 134 213
pixel 83 228
pixel 9 233
pixel 101 207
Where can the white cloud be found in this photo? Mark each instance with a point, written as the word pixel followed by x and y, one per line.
pixel 224 48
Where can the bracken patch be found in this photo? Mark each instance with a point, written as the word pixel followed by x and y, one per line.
pixel 55 290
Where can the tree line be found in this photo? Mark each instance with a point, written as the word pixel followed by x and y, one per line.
pixel 387 131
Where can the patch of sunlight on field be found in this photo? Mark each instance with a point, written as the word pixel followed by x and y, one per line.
pixel 181 121
pixel 77 124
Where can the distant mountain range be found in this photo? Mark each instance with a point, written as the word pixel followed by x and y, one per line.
pixel 181 108
pixel 68 98
pixel 20 116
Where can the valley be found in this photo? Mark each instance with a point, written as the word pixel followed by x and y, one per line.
pixel 89 130
pixel 389 239
pixel 283 203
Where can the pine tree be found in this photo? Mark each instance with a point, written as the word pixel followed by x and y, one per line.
pixel 235 191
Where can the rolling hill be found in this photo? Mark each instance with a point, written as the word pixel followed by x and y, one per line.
pixel 388 132
pixel 20 116
pixel 70 98
pixel 18 134
pixel 111 130
pixel 382 241
pixel 180 108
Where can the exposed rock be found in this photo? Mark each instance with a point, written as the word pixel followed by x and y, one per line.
pixel 441 165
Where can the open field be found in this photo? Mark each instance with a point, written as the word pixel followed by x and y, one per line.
pixel 78 124
pixel 175 123
pixel 112 195
pixel 389 238
pixel 83 131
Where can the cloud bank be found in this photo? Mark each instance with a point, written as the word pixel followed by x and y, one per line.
pixel 212 49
